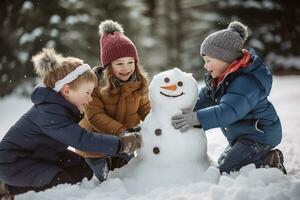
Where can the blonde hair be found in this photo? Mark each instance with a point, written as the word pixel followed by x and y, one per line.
pixel 52 67
pixel 107 83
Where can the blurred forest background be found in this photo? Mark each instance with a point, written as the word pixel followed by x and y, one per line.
pixel 167 33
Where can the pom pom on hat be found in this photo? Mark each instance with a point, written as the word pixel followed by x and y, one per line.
pixel 240 28
pixel 109 26
pixel 47 60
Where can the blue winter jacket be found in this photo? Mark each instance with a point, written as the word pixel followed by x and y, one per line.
pixel 31 147
pixel 240 107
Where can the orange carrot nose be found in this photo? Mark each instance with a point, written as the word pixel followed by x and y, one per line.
pixel 169 87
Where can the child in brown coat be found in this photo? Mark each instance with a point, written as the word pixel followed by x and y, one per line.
pixel 121 100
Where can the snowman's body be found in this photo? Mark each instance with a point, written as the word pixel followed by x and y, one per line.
pixel 168 156
pixel 162 144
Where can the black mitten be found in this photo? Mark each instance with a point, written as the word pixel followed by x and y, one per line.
pixel 134 129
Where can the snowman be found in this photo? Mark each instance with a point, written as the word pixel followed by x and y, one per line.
pixel 167 156
pixel 171 92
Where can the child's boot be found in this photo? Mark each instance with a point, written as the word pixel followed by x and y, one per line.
pixel 274 158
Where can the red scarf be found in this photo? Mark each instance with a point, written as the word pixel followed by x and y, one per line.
pixel 243 62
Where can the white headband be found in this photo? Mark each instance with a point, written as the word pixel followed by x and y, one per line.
pixel 71 76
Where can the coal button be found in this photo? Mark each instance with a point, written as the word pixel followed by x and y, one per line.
pixel 156 150
pixel 158 132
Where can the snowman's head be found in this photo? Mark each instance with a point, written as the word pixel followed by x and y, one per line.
pixel 173 89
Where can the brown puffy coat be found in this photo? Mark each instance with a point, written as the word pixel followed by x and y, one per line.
pixel 114 111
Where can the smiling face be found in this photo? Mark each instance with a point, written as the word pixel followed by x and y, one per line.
pixel 123 68
pixel 214 66
pixel 173 89
pixel 80 96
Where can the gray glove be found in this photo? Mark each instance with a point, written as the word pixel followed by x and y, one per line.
pixel 129 142
pixel 185 121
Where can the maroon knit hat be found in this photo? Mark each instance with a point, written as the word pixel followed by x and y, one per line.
pixel 114 44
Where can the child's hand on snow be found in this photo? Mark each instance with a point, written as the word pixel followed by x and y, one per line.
pixel 185 121
pixel 129 142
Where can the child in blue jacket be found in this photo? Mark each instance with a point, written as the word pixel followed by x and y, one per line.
pixel 235 99
pixel 33 153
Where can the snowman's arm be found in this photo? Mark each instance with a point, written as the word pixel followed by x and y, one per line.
pixel 144 107
pixel 240 98
pixel 203 100
pixel 98 119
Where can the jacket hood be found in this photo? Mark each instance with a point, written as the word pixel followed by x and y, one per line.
pixel 42 94
pixel 259 72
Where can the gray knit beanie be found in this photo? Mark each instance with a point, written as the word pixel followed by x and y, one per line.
pixel 226 44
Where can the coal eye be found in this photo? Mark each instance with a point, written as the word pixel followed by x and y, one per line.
pixel 180 83
pixel 166 80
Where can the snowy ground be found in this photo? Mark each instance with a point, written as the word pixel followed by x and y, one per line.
pixel 249 184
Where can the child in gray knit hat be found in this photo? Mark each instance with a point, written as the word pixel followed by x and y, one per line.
pixel 235 99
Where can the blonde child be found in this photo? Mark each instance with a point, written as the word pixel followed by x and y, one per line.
pixel 235 99
pixel 121 101
pixel 33 153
